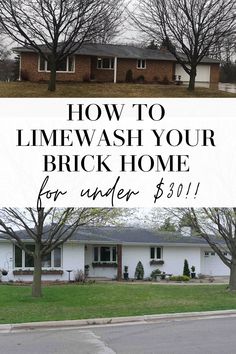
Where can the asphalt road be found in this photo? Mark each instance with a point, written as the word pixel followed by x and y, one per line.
pixel 207 336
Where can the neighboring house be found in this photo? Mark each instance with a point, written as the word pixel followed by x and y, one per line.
pixel 110 63
pixel 107 250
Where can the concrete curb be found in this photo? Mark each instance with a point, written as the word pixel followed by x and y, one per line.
pixel 6 328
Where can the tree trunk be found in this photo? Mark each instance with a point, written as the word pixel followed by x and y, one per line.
pixel 232 279
pixel 193 73
pixel 53 74
pixel 37 286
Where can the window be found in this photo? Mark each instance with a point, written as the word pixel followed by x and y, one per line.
pixel 95 256
pixel 18 257
pixel 156 253
pixel 46 262
pixel 23 260
pixel 29 260
pixel 57 257
pixel 104 254
pixel 206 254
pixel 65 65
pixel 105 63
pixel 141 64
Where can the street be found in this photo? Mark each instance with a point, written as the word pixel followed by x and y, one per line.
pixel 205 336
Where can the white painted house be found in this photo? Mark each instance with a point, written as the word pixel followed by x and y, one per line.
pixel 107 250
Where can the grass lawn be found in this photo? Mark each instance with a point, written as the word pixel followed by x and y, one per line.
pixel 27 89
pixel 64 302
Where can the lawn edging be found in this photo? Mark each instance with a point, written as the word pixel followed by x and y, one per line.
pixel 6 328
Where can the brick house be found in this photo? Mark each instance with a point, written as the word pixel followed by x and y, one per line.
pixel 110 63
pixel 107 250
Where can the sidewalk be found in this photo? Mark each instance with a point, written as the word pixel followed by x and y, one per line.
pixel 7 328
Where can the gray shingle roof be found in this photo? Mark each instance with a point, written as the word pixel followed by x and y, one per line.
pixel 120 51
pixel 129 235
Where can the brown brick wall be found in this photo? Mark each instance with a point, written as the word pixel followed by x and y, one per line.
pixel 215 73
pixel 86 67
pixel 29 69
pixel 154 70
pixel 101 75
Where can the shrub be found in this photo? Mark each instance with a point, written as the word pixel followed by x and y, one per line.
pixel 86 77
pixel 179 278
pixel 156 79
pixel 139 271
pixel 186 270
pixel 165 81
pixel 79 276
pixel 154 273
pixel 140 79
pixel 129 76
pixel 24 75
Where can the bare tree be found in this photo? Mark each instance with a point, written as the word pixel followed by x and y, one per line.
pixel 225 49
pixel 106 31
pixel 189 27
pixel 47 229
pixel 56 29
pixel 218 227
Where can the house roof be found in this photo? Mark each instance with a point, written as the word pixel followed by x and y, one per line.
pixel 128 236
pixel 134 235
pixel 120 51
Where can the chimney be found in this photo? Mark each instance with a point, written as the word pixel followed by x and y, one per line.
pixel 163 48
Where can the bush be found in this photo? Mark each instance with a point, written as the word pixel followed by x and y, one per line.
pixel 24 75
pixel 156 79
pixel 165 81
pixel 129 76
pixel 139 271
pixel 86 77
pixel 179 278
pixel 79 276
pixel 186 270
pixel 154 273
pixel 140 79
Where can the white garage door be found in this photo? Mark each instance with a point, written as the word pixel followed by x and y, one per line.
pixel 213 265
pixel 203 73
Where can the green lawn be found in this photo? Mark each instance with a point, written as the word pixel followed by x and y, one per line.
pixel 27 89
pixel 64 302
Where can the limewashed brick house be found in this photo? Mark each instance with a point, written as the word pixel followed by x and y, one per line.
pixel 106 251
pixel 110 63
